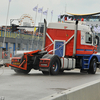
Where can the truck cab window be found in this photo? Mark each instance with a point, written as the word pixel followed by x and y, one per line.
pixel 88 38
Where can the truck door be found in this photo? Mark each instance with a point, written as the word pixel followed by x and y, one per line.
pixel 59 48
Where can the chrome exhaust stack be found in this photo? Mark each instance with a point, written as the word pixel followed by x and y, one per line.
pixel 75 39
pixel 44 34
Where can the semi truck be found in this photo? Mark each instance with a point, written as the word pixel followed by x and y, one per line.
pixel 66 46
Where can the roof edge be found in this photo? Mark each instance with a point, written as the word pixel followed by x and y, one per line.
pixel 83 14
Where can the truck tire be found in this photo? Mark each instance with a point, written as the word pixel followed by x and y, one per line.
pixel 83 71
pixel 19 71
pixel 93 66
pixel 45 72
pixel 54 66
pixel 61 70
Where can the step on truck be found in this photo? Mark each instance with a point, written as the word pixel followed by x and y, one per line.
pixel 66 46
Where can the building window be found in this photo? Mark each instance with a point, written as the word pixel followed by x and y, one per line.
pixel 18 46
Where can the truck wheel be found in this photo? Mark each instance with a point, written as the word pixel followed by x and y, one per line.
pixel 93 66
pixel 61 70
pixel 54 66
pixel 45 73
pixel 83 71
pixel 22 71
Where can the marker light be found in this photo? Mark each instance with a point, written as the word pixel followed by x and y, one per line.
pixel 82 19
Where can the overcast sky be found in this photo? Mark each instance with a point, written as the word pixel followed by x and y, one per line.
pixel 20 7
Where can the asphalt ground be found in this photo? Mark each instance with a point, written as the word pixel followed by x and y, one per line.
pixel 35 85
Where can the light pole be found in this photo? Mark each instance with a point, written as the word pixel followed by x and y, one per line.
pixel 6 24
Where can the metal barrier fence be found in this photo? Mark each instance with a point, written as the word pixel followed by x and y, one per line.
pixel 18 35
pixel 7 54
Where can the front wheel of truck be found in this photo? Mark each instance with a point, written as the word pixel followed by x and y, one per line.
pixel 93 66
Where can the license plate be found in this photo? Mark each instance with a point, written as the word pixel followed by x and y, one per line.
pixel 15 63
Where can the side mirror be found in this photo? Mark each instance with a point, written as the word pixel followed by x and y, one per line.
pixel 96 40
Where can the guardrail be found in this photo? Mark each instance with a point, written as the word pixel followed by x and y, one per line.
pixel 88 91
